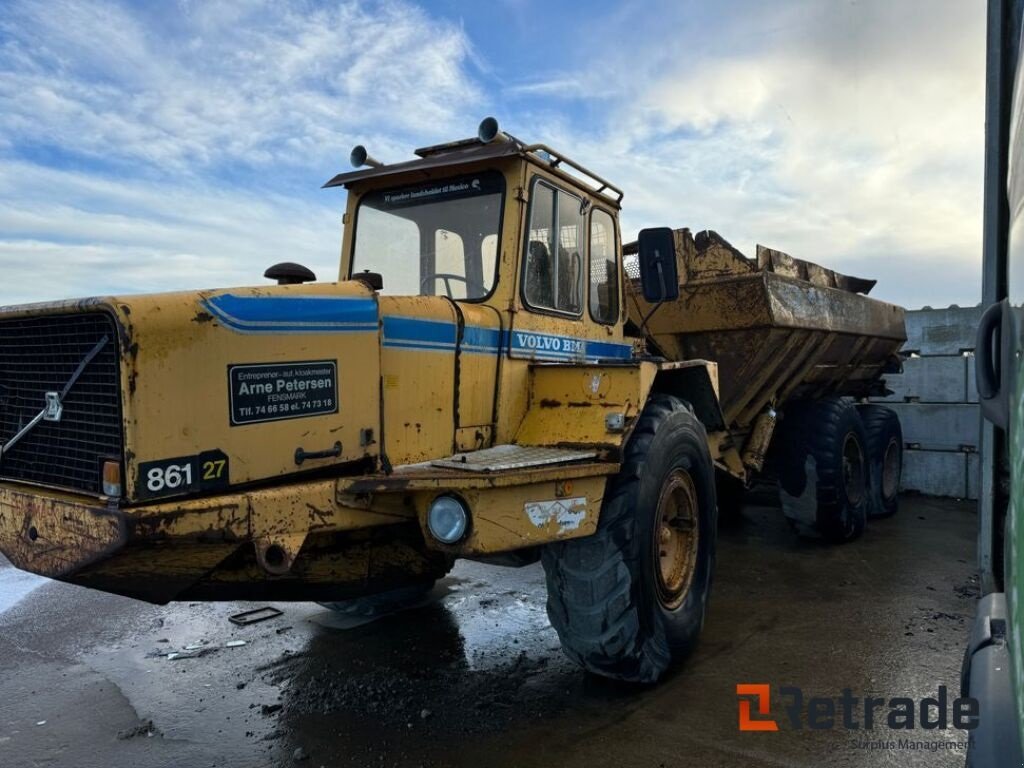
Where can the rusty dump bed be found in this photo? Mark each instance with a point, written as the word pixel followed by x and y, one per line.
pixel 778 327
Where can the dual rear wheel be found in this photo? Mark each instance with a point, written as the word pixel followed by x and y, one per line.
pixel 838 464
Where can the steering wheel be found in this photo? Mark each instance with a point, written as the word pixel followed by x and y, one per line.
pixel 427 283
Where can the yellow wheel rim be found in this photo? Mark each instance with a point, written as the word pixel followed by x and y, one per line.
pixel 676 535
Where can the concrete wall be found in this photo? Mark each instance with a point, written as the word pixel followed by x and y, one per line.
pixel 937 402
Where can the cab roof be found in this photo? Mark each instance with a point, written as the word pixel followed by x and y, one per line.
pixel 474 150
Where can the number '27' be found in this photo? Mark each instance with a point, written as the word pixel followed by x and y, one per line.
pixel 214 470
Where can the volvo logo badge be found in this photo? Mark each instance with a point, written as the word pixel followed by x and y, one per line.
pixel 54 408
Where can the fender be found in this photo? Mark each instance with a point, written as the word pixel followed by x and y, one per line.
pixel 696 382
pixel 595 405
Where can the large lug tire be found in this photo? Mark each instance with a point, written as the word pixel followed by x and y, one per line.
pixel 823 469
pixel 630 599
pixel 885 459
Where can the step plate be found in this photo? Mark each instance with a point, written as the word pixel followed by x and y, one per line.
pixel 502 457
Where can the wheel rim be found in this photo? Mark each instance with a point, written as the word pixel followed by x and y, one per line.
pixel 676 535
pixel 891 469
pixel 853 469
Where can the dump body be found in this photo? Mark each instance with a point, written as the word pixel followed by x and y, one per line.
pixel 780 329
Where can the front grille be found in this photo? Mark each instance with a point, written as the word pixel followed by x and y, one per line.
pixel 40 355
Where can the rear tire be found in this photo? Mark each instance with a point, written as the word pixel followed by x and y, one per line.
pixel 630 599
pixel 823 469
pixel 885 459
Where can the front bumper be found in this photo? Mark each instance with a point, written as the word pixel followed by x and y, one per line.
pixel 56 535
pixel 209 548
pixel 321 540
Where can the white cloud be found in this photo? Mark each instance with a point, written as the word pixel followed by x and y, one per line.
pixel 253 83
pixel 149 154
pixel 102 237
pixel 849 134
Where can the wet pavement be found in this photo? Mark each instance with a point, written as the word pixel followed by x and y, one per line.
pixel 475 677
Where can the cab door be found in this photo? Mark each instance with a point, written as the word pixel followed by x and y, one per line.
pixel 570 290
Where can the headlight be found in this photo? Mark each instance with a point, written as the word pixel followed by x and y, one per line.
pixel 447 519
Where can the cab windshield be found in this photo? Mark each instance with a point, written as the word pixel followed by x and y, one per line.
pixel 438 238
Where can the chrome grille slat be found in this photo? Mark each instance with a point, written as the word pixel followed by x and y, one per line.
pixel 39 355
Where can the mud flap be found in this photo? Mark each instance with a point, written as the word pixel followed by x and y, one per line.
pixel 802 510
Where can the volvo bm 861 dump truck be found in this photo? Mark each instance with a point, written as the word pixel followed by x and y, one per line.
pixel 493 376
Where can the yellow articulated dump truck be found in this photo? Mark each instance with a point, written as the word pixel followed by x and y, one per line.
pixel 494 376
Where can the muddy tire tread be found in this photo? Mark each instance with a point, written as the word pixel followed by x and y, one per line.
pixel 592 595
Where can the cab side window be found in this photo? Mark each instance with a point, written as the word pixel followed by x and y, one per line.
pixel 604 268
pixel 553 262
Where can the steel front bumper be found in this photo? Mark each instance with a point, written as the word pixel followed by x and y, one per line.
pixel 317 540
pixel 215 547
pixel 56 535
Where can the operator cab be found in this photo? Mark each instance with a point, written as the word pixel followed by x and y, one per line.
pixel 489 220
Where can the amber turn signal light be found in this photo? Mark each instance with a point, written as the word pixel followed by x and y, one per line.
pixel 112 478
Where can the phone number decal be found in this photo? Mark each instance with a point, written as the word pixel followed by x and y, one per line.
pixel 273 391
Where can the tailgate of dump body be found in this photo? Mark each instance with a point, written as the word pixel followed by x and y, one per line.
pixel 779 328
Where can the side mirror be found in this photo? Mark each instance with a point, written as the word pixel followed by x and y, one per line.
pixel 659 277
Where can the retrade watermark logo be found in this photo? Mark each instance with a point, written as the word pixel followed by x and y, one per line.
pixel 756 697
pixel 852 713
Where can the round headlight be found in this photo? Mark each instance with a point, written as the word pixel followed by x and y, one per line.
pixel 447 519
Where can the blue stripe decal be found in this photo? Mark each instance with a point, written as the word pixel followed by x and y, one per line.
pixel 351 314
pixel 398 330
pixel 483 338
pixel 437 336
pixel 604 350
pixel 294 314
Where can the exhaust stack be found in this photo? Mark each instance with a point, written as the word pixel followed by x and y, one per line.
pixel 359 157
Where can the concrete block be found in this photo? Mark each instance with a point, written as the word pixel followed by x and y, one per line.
pixel 939 426
pixel 941 379
pixel 942 331
pixel 972 383
pixel 973 475
pixel 936 473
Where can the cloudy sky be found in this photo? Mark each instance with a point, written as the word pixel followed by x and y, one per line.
pixel 158 146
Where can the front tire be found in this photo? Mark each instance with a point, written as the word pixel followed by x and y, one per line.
pixel 630 599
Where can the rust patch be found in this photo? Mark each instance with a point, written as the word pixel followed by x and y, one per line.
pixel 218 523
pixel 202 317
pixel 549 403
pixel 318 518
